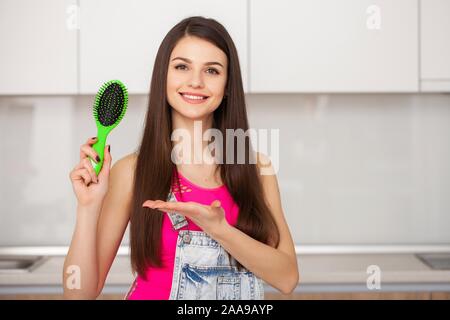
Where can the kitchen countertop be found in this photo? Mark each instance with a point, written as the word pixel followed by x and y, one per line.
pixel 324 272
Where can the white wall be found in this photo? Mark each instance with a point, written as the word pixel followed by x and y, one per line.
pixel 362 169
pixel 354 168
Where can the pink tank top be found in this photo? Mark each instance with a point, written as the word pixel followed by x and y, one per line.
pixel 159 280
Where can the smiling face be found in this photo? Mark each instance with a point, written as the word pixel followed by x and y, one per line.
pixel 196 77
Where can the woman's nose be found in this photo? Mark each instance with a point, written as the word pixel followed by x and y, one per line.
pixel 196 80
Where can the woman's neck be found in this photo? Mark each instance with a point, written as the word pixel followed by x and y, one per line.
pixel 196 131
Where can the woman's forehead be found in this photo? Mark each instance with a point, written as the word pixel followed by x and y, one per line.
pixel 198 51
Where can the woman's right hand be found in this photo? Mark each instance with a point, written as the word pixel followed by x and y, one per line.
pixel 89 188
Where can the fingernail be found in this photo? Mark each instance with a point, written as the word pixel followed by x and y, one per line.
pixel 109 148
pixel 97 158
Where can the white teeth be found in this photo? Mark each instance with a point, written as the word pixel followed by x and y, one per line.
pixel 193 97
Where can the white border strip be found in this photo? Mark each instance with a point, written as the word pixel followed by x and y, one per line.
pixel 299 249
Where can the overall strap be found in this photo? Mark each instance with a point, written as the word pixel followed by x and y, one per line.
pixel 178 220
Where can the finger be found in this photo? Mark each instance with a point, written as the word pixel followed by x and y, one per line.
pixel 149 204
pixel 161 203
pixel 186 208
pixel 87 150
pixel 75 173
pixel 88 166
pixel 91 141
pixel 173 211
pixel 161 206
pixel 107 160
pixel 81 174
pixel 154 203
pixel 86 176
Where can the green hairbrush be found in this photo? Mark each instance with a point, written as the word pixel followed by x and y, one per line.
pixel 109 108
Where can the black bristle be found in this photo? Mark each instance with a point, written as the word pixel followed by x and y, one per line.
pixel 110 105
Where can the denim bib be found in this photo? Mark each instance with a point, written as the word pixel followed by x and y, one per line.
pixel 203 270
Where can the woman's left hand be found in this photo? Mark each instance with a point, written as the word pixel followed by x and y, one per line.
pixel 209 218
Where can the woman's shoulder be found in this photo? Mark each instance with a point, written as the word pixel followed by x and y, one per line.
pixel 128 161
pixel 125 166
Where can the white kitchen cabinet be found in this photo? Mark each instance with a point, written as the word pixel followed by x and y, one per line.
pixel 119 39
pixel 333 46
pixel 435 45
pixel 38 47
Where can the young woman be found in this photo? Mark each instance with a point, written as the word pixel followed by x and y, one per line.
pixel 197 231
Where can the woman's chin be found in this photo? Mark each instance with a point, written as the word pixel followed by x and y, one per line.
pixel 193 112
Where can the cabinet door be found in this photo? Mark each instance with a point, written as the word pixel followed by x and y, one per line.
pixel 333 46
pixel 38 47
pixel 435 45
pixel 119 39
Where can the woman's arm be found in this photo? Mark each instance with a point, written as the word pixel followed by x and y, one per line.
pixel 278 267
pixel 80 276
pixel 97 236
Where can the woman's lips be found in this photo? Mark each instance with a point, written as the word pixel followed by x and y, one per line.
pixel 192 101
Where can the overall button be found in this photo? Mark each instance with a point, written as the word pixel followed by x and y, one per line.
pixel 187 238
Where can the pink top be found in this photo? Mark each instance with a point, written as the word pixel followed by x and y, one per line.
pixel 159 280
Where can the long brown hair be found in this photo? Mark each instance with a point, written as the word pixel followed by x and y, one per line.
pixel 155 171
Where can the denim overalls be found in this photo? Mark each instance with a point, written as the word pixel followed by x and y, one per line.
pixel 203 270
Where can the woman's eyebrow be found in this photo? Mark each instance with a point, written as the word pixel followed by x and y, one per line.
pixel 206 63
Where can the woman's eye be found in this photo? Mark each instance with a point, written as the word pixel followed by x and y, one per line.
pixel 180 65
pixel 214 70
pixel 183 67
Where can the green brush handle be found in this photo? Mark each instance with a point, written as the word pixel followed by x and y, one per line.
pixel 99 147
pixel 111 93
